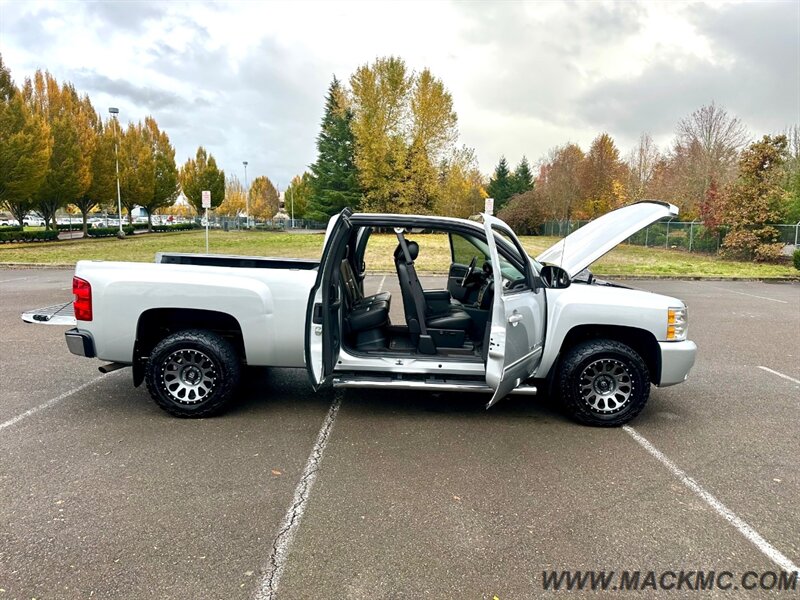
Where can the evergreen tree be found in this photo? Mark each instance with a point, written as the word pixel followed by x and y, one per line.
pixel 500 185
pixel 334 179
pixel 522 180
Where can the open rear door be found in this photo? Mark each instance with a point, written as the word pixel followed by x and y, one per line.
pixel 323 324
pixel 515 342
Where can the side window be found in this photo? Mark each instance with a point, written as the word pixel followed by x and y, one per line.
pixel 516 280
pixel 463 250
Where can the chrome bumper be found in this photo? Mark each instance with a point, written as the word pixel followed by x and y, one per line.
pixel 677 359
pixel 80 342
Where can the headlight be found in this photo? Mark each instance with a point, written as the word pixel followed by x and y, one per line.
pixel 677 323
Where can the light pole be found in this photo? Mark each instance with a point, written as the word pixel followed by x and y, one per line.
pixel 246 195
pixel 115 111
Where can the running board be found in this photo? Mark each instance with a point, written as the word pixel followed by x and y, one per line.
pixel 428 385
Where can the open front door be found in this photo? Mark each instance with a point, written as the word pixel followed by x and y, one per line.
pixel 516 335
pixel 323 319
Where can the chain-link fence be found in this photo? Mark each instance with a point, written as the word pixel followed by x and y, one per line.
pixel 688 235
pixel 233 224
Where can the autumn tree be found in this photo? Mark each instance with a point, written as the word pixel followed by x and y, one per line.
pixel 199 174
pixel 755 199
pixel 706 149
pixel 68 173
pixel 642 162
pixel 500 184
pixel 7 87
pixel 792 179
pixel 334 178
pixel 136 168
pixel 380 93
pixel 235 202
pixel 562 182
pixel 602 177
pixel 404 125
pixel 102 189
pixel 24 151
pixel 524 212
pixel 165 173
pixel 297 198
pixel 461 192
pixel 264 199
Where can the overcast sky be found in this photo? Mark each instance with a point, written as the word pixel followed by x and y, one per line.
pixel 247 80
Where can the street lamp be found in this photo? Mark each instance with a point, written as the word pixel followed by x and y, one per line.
pixel 246 195
pixel 115 111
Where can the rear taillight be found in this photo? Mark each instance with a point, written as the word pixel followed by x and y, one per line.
pixel 83 299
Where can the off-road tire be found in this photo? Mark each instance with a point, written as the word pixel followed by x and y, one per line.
pixel 603 383
pixel 199 365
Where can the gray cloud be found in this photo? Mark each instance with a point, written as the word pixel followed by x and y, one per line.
pixel 152 100
pixel 760 86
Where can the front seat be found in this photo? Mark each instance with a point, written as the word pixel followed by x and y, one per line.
pixel 435 308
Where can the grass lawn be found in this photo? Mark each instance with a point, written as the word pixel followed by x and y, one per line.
pixel 625 260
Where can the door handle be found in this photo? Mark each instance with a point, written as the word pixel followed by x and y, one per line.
pixel 515 318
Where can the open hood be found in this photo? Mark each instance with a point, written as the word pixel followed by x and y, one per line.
pixel 581 248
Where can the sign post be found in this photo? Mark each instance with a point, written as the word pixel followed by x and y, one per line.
pixel 206 195
pixel 488 206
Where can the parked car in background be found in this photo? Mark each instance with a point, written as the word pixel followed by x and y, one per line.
pixel 33 220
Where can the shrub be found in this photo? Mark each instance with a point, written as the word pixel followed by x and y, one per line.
pixel 523 213
pixel 796 259
pixel 10 228
pixel 769 252
pixel 28 236
pixel 175 227
pixel 109 231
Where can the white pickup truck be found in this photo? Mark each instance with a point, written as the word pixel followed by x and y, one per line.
pixel 505 323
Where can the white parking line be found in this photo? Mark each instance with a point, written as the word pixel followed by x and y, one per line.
pixel 380 287
pixel 49 403
pixel 291 521
pixel 760 297
pixel 726 513
pixel 768 370
pixel 15 279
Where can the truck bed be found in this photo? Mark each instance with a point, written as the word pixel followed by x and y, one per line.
pixel 230 260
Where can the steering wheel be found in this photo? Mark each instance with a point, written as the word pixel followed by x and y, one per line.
pixel 470 271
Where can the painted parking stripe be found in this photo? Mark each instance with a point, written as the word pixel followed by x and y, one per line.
pixel 726 513
pixel 760 297
pixel 15 279
pixel 14 420
pixel 779 374
pixel 291 521
pixel 380 287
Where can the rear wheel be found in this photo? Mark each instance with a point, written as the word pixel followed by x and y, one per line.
pixel 603 383
pixel 193 373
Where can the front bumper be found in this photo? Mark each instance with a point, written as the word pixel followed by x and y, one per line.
pixel 677 359
pixel 80 342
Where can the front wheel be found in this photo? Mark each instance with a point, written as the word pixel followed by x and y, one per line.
pixel 603 383
pixel 193 373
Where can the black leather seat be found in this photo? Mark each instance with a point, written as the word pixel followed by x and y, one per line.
pixel 439 309
pixel 362 313
pixel 355 295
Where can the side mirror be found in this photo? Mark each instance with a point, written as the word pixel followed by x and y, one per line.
pixel 554 277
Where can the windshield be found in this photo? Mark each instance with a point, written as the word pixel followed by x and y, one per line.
pixel 466 246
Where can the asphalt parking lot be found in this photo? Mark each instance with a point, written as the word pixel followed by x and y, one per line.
pixel 414 496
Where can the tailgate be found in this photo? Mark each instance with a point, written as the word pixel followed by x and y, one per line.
pixel 58 314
